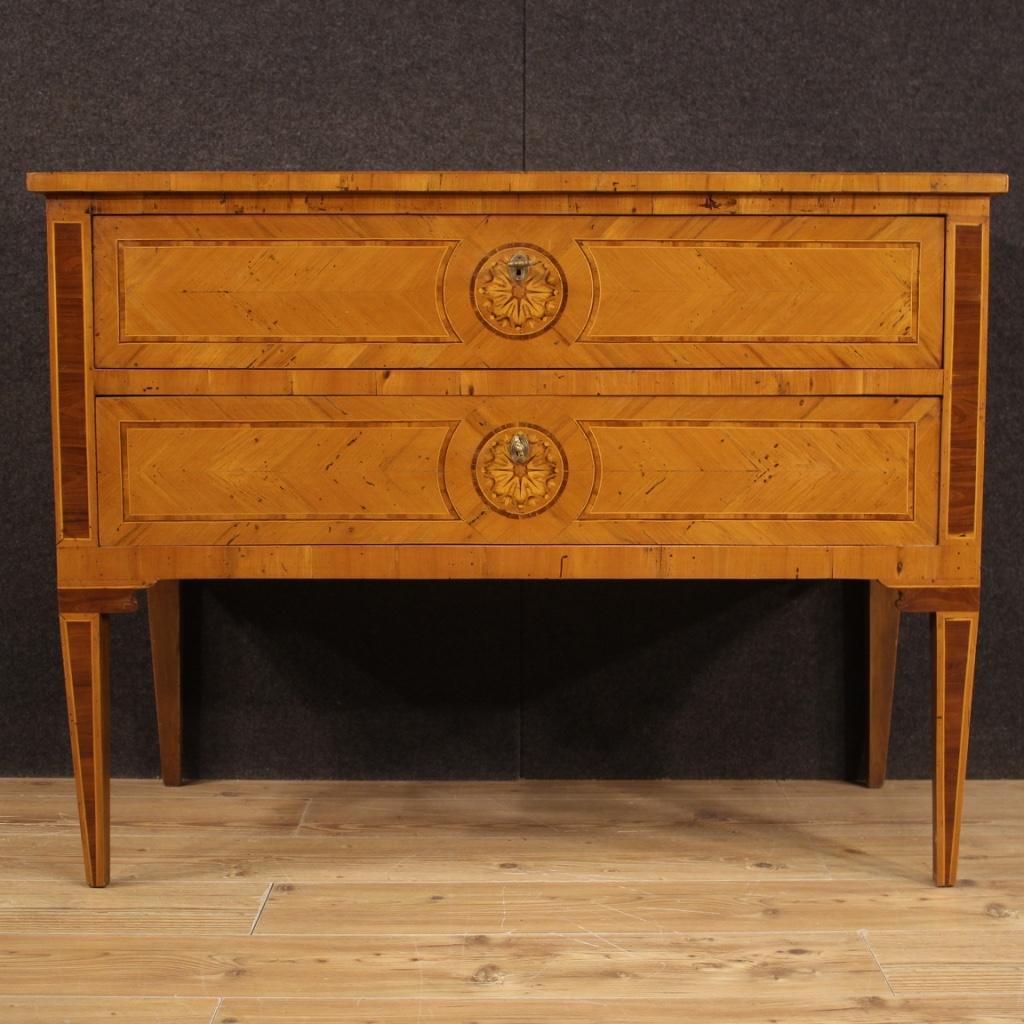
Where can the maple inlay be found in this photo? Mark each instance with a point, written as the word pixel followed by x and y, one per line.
pixel 280 471
pixel 752 290
pixel 322 290
pixel 679 470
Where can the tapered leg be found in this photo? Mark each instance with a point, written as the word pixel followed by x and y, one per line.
pixel 955 636
pixel 84 639
pixel 883 640
pixel 165 641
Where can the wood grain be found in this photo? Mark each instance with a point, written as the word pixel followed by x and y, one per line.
pixel 866 940
pixel 85 642
pixel 545 203
pixel 287 470
pixel 517 382
pixel 948 565
pixel 722 1009
pixel 752 292
pixel 65 908
pixel 462 966
pixel 69 328
pixel 97 599
pixel 506 181
pixel 649 907
pixel 938 599
pixel 337 806
pixel 950 963
pixel 883 642
pixel 955 642
pixel 387 290
pixel 735 852
pixel 745 376
pixel 134 813
pixel 102 1010
pixel 965 394
pixel 251 290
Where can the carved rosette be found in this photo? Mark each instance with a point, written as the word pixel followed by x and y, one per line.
pixel 518 291
pixel 519 470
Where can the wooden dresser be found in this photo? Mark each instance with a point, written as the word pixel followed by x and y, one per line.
pixel 541 375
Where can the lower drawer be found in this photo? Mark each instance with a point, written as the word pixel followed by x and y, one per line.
pixel 466 470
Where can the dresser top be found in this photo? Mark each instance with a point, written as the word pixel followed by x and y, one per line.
pixel 509 181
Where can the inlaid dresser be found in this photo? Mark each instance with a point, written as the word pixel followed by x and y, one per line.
pixel 505 375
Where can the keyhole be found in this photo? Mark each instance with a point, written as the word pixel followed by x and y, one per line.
pixel 519 449
pixel 519 266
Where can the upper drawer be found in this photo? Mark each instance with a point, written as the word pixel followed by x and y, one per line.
pixel 318 290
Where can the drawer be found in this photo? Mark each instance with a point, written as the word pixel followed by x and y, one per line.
pixel 461 470
pixel 382 291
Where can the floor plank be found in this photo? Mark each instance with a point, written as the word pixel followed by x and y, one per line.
pixel 651 907
pixel 511 903
pixel 204 908
pixel 720 851
pixel 89 1010
pixel 565 805
pixel 156 810
pixel 721 1009
pixel 903 851
pixel 950 962
pixel 578 964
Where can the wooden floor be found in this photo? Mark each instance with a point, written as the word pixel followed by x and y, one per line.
pixel 518 903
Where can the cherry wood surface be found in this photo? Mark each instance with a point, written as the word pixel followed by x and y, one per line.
pixel 502 181
pixel 424 375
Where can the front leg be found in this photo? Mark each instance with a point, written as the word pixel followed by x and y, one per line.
pixel 84 633
pixel 955 639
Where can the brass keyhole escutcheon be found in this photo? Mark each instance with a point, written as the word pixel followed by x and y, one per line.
pixel 519 449
pixel 518 290
pixel 519 266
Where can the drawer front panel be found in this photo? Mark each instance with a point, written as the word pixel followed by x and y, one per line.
pixel 754 291
pixel 382 291
pixel 668 469
pixel 285 471
pixel 282 290
pixel 464 470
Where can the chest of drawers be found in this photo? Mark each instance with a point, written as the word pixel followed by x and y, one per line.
pixel 440 376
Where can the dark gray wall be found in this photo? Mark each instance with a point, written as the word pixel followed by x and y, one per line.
pixel 494 679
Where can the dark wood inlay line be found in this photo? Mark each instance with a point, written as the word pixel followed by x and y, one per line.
pixel 69 292
pixel 938 599
pixel 97 599
pixel 964 396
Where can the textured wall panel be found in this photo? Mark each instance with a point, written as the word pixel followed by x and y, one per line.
pixel 627 680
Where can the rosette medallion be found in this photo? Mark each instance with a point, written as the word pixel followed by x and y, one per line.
pixel 519 470
pixel 518 291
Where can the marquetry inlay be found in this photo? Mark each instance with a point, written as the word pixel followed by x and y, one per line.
pixel 518 290
pixel 519 470
pixel 327 376
pixel 69 331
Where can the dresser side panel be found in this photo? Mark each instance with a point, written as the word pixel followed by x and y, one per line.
pixel 70 294
pixel 966 376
